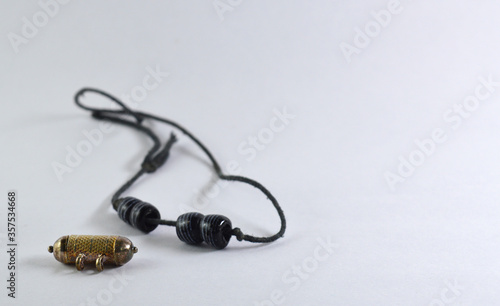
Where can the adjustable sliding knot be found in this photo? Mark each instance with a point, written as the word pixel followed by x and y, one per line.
pixel 151 164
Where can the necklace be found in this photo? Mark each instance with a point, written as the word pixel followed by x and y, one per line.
pixel 192 228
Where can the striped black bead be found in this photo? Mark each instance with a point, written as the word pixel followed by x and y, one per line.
pixel 188 228
pixel 136 212
pixel 216 230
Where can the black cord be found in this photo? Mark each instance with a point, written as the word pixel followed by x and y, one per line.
pixel 156 157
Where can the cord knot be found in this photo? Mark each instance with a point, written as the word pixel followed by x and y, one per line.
pixel 238 233
pixel 151 164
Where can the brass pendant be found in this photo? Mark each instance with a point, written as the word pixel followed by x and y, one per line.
pixel 88 249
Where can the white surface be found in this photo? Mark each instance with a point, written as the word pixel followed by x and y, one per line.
pixel 353 121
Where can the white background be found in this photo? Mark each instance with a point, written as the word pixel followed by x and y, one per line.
pixel 228 73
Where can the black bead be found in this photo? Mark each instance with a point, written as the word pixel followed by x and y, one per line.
pixel 136 212
pixel 216 230
pixel 188 228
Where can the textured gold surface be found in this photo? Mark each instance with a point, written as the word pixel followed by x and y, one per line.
pixel 91 246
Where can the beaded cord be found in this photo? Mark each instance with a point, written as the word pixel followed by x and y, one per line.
pixel 191 228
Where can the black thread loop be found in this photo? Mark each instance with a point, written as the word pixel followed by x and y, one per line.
pixel 96 111
pixel 156 157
